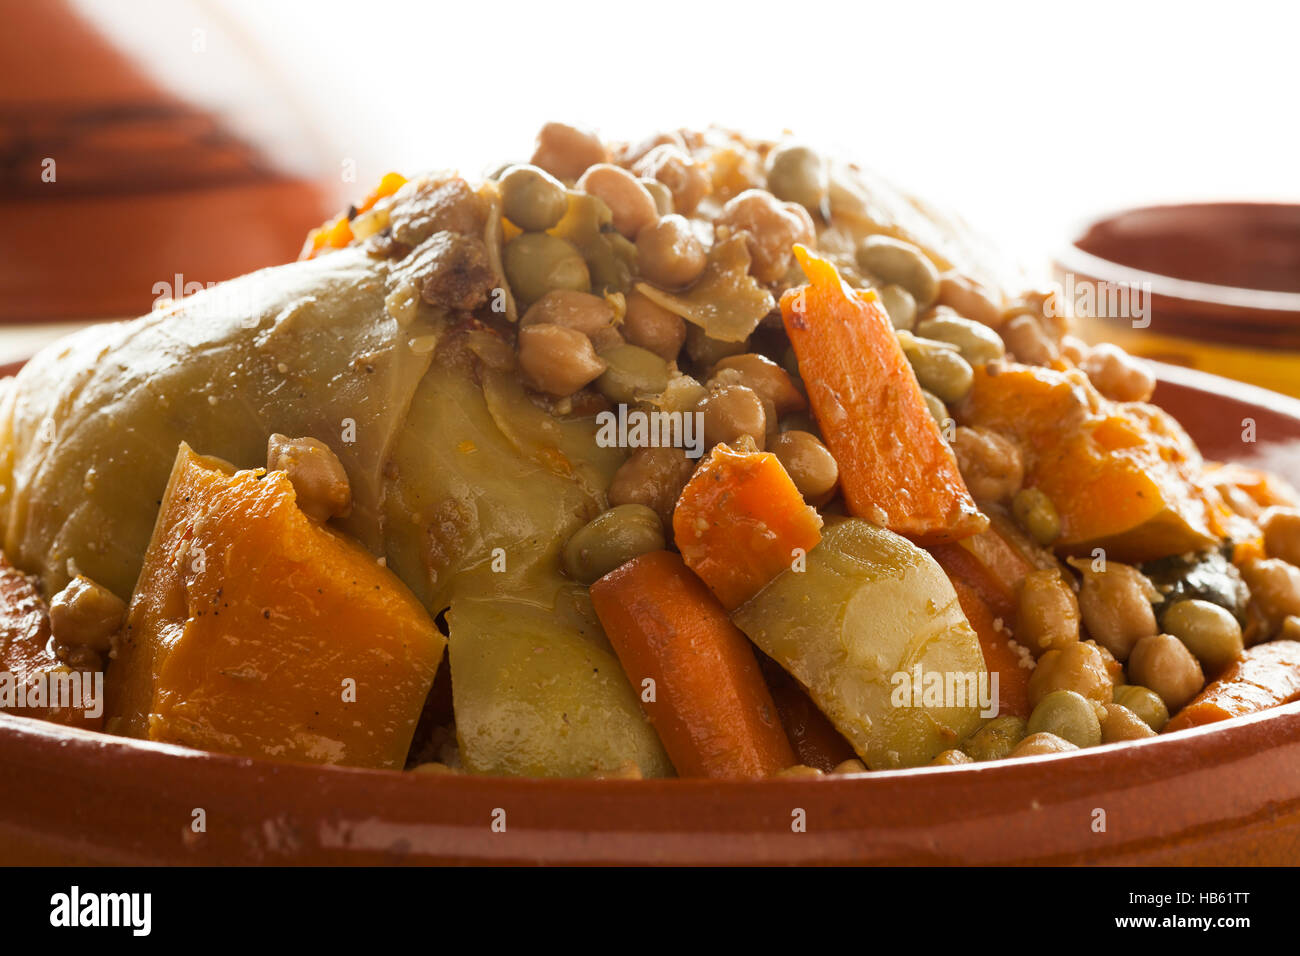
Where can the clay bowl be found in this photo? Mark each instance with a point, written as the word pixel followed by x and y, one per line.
pixel 1220 795
pixel 1224 283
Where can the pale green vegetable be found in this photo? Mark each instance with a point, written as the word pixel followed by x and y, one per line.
pixel 91 425
pixel 869 609
pixel 540 693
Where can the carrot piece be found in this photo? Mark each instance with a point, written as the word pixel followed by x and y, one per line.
pixel 895 468
pixel 337 233
pixel 999 654
pixel 989 565
pixel 739 521
pixel 1267 675
pixel 710 706
pixel 814 738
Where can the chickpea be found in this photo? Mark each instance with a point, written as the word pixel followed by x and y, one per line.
pixel 970 298
pixel 768 380
pixel 1211 633
pixel 1120 724
pixel 1026 340
pixel 685 177
pixel 797 174
pixel 899 305
pixel 629 154
pixel 1042 743
pixel 558 360
pixel 86 614
pixel 990 463
pixel 951 758
pixel 799 770
pixel 653 477
pixel 1118 375
pixel 1116 605
pixel 1079 667
pixel 1047 612
pixel 566 152
pixel 669 254
pixel 632 205
pixel 1163 663
pixel 1274 589
pixel 589 314
pixel 1035 513
pixel 650 326
pixel 1281 527
pixel 731 411
pixel 809 463
pixel 772 228
pixel 1047 307
pixel 532 198
pixel 1074 350
pixel 317 475
pixel 901 263
pixel 852 765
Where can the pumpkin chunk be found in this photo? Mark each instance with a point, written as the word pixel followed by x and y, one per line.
pixel 255 631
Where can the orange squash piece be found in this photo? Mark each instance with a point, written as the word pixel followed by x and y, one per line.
pixel 1124 477
pixel 30 665
pixel 255 631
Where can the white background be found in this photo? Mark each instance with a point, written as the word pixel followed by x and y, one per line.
pixel 1025 117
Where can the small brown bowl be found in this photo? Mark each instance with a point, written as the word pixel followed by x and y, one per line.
pixel 1225 794
pixel 1223 282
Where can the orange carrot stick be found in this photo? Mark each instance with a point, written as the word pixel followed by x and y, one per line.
pixel 1266 675
pixel 895 468
pixel 710 705
pixel 999 655
pixel 814 738
pixel 740 521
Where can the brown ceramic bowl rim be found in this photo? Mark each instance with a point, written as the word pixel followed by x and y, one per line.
pixel 1075 260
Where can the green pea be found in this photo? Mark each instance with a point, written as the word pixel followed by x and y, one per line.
pixel 1144 702
pixel 901 263
pixel 997 738
pixel 977 343
pixel 937 408
pixel 610 540
pixel 1211 633
pixel 532 198
pixel 632 373
pixel 1035 513
pixel 899 305
pixel 535 263
pixel 939 369
pixel 797 174
pixel 1069 715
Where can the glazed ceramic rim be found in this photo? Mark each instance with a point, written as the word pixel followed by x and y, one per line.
pixel 1076 260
